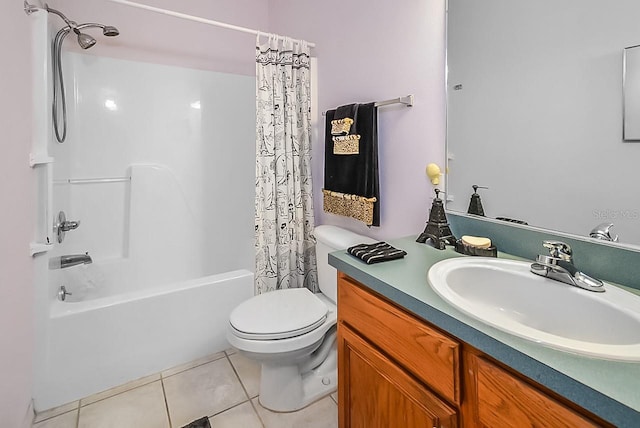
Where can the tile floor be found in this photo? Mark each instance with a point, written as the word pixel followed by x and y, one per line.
pixel 223 386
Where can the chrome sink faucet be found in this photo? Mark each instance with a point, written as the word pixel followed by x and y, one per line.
pixel 558 265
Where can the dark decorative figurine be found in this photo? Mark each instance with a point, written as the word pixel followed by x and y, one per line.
pixel 437 229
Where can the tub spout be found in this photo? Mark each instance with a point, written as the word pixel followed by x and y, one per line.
pixel 69 260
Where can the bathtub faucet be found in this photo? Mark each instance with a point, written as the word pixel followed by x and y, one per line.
pixel 69 260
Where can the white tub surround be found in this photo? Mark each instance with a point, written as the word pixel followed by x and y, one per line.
pixel 145 170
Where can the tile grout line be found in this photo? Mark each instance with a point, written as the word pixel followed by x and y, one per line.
pixel 232 407
pixel 78 415
pixel 162 376
pixel 166 402
pixel 223 357
pixel 245 390
pixel 55 415
pixel 80 405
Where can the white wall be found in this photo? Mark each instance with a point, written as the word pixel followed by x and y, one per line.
pixel 17 216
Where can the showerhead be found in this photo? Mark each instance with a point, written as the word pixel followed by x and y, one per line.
pixel 107 30
pixel 110 31
pixel 84 40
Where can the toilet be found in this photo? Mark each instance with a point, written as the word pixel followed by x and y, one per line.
pixel 292 332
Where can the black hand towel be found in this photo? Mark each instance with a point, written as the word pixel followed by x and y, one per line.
pixel 354 175
pixel 349 111
pixel 376 253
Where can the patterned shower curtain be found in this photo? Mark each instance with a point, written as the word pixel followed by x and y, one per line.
pixel 284 243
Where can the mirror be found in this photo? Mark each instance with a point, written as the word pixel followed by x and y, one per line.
pixel 535 112
pixel 631 93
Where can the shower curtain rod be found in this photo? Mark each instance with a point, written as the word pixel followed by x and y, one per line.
pixel 195 18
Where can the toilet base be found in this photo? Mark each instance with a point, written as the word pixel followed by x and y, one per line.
pixel 284 389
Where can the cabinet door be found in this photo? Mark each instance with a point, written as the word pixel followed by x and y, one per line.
pixel 373 392
pixel 505 401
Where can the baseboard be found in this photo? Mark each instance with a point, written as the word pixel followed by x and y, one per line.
pixel 29 416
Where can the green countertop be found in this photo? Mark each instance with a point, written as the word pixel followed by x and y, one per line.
pixel 609 389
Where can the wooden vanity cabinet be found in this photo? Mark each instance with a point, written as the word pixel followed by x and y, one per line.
pixel 397 371
pixel 386 360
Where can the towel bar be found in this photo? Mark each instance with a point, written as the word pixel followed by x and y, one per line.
pixel 408 101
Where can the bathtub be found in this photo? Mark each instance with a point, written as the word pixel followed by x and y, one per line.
pixel 98 342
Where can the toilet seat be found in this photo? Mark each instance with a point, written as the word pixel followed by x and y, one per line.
pixel 278 315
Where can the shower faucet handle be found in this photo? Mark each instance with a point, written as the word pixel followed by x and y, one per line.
pixel 69 225
pixel 63 225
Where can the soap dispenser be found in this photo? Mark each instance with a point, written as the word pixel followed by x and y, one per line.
pixel 437 229
pixel 475 205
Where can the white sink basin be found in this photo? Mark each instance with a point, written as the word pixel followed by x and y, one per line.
pixel 507 296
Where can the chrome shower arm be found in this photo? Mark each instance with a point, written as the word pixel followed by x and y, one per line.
pixel 71 24
pixel 30 8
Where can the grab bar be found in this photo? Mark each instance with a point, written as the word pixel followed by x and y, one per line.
pixel 92 180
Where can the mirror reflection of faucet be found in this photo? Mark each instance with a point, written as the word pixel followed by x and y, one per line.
pixel 69 260
pixel 602 231
pixel 558 265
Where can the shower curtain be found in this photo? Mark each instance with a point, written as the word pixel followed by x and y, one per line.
pixel 284 243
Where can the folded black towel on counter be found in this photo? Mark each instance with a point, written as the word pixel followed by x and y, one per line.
pixel 376 253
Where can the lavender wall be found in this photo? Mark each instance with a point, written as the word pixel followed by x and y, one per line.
pixel 16 193
pixel 376 50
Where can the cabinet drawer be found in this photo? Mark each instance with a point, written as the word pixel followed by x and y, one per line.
pixel 425 352
pixel 504 400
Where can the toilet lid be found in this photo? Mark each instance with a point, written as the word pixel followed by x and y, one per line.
pixel 278 314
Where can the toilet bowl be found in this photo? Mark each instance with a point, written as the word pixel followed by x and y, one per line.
pixel 292 332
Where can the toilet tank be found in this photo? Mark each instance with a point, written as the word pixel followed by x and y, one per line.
pixel 330 239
